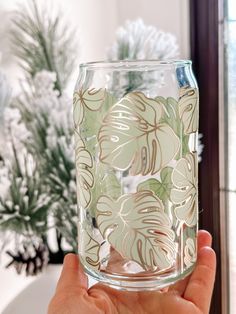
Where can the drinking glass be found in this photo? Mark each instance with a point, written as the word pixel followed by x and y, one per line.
pixel 136 135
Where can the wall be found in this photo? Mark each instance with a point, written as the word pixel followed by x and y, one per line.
pixel 168 15
pixel 96 21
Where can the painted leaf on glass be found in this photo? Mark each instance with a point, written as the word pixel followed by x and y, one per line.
pixel 89 248
pixel 90 98
pixel 172 118
pixel 184 193
pixel 170 112
pixel 132 136
pixel 160 188
pixel 84 177
pixel 106 183
pixel 138 229
pixel 188 109
pixel 190 254
pixel 92 120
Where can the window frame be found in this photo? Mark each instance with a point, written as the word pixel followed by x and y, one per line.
pixel 207 54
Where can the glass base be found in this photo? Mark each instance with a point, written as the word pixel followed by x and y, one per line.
pixel 135 283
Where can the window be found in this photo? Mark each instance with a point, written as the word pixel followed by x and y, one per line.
pixel 213 49
pixel 230 117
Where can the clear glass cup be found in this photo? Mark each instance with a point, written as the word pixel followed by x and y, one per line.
pixel 136 135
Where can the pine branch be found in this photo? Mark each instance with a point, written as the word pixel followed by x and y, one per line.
pixel 26 206
pixel 42 42
pixel 5 94
pixel 137 41
pixel 45 50
pixel 65 216
pixel 54 154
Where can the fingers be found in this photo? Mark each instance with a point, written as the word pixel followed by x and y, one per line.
pixel 201 283
pixel 72 274
pixel 204 239
pixel 180 286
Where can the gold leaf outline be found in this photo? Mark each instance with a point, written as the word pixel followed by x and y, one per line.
pixel 80 148
pixel 186 105
pixel 79 102
pixel 190 157
pixel 88 248
pixel 151 219
pixel 157 127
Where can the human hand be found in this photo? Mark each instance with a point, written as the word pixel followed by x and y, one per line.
pixel 189 296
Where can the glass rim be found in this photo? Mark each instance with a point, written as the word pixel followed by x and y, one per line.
pixel 129 64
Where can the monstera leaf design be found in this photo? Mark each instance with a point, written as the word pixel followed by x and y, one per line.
pixel 138 229
pixel 160 188
pixel 90 98
pixel 190 254
pixel 88 248
pixel 84 177
pixel 106 183
pixel 188 109
pixel 170 112
pixel 93 120
pixel 172 118
pixel 184 194
pixel 132 136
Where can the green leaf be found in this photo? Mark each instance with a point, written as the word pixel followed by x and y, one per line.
pixel 106 183
pixel 171 113
pixel 172 118
pixel 160 188
pixel 90 99
pixel 93 119
pixel 185 145
pixel 105 180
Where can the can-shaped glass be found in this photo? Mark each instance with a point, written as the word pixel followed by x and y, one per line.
pixel 136 136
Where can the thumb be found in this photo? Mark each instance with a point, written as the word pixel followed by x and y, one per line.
pixel 201 283
pixel 72 274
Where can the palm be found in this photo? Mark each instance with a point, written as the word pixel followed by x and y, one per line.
pixel 191 295
pixel 145 302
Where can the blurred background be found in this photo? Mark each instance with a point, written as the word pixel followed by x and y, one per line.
pixel 93 27
pixel 96 22
pixel 41 45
